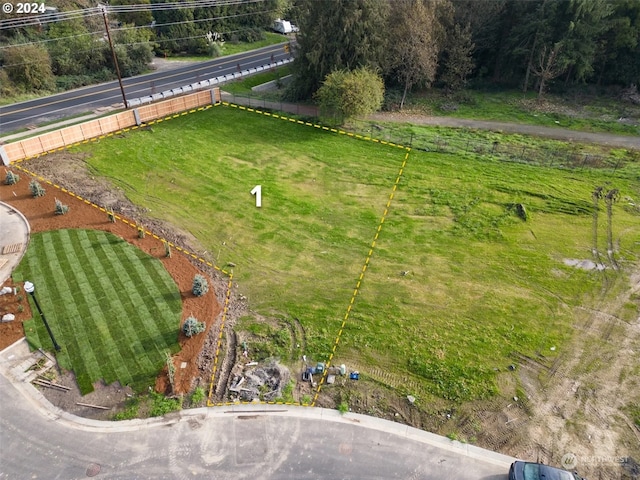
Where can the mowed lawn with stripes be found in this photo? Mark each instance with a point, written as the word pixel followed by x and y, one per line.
pixel 113 309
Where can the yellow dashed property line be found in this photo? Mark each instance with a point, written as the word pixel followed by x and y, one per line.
pixel 117 132
pixel 315 125
pixel 120 218
pixel 362 273
pixel 230 274
pixel 180 249
pixel 225 309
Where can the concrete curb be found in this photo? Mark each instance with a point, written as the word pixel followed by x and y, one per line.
pixel 20 349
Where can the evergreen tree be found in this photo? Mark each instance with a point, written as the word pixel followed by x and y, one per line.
pixel 336 35
pixel 457 59
pixel 140 18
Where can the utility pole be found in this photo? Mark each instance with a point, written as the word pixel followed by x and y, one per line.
pixel 113 53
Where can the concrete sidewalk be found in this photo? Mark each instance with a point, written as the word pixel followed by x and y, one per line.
pixel 14 239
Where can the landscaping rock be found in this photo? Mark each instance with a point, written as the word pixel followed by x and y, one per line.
pixel 9 317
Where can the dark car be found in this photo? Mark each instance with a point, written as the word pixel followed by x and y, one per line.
pixel 538 471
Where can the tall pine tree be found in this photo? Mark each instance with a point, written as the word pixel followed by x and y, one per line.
pixel 336 35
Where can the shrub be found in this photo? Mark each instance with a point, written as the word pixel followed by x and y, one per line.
pixel 198 396
pixel 36 189
pixel 140 232
pixel 61 208
pixel 200 285
pixel 162 405
pixel 130 411
pixel 192 327
pixel 11 178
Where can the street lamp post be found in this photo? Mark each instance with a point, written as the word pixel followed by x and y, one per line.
pixel 30 289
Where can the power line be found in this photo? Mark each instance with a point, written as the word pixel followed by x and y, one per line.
pixel 177 5
pixel 136 27
pixel 46 18
pixel 130 44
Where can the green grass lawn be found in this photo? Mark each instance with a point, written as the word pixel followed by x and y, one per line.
pixel 482 285
pixel 113 309
pixel 595 114
pixel 232 48
pixel 244 86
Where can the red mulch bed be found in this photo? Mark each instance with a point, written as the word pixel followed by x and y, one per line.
pixel 40 214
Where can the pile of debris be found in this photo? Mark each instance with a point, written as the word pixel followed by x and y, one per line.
pixel 257 382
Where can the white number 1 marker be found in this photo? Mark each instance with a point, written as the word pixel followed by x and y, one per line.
pixel 257 191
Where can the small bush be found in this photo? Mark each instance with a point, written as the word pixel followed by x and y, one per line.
pixel 11 178
pixel 198 396
pixel 200 285
pixel 130 411
pixel 192 327
pixel 343 407
pixel 162 405
pixel 36 189
pixel 140 232
pixel 61 208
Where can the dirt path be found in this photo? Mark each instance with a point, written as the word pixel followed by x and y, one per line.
pixel 580 406
pixel 621 141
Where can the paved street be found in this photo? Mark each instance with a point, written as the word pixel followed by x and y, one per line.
pixel 83 100
pixel 39 441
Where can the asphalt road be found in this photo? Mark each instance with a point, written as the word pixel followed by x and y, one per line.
pixel 221 443
pixel 49 109
pixel 279 442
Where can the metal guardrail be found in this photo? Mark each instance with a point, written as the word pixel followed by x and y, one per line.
pixel 204 84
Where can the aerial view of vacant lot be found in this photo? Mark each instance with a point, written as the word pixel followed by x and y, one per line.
pixel 432 218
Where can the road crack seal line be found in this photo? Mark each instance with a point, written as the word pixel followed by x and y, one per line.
pixel 362 273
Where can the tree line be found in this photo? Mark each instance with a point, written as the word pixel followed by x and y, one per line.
pixel 74 51
pixel 409 44
pixel 534 44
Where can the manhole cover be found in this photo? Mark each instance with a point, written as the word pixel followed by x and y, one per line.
pixel 93 469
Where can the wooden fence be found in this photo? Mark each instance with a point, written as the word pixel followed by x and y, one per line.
pixel 60 139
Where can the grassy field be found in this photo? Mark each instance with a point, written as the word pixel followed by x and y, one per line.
pixel 231 48
pixel 113 309
pixel 244 86
pixel 576 112
pixel 481 285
